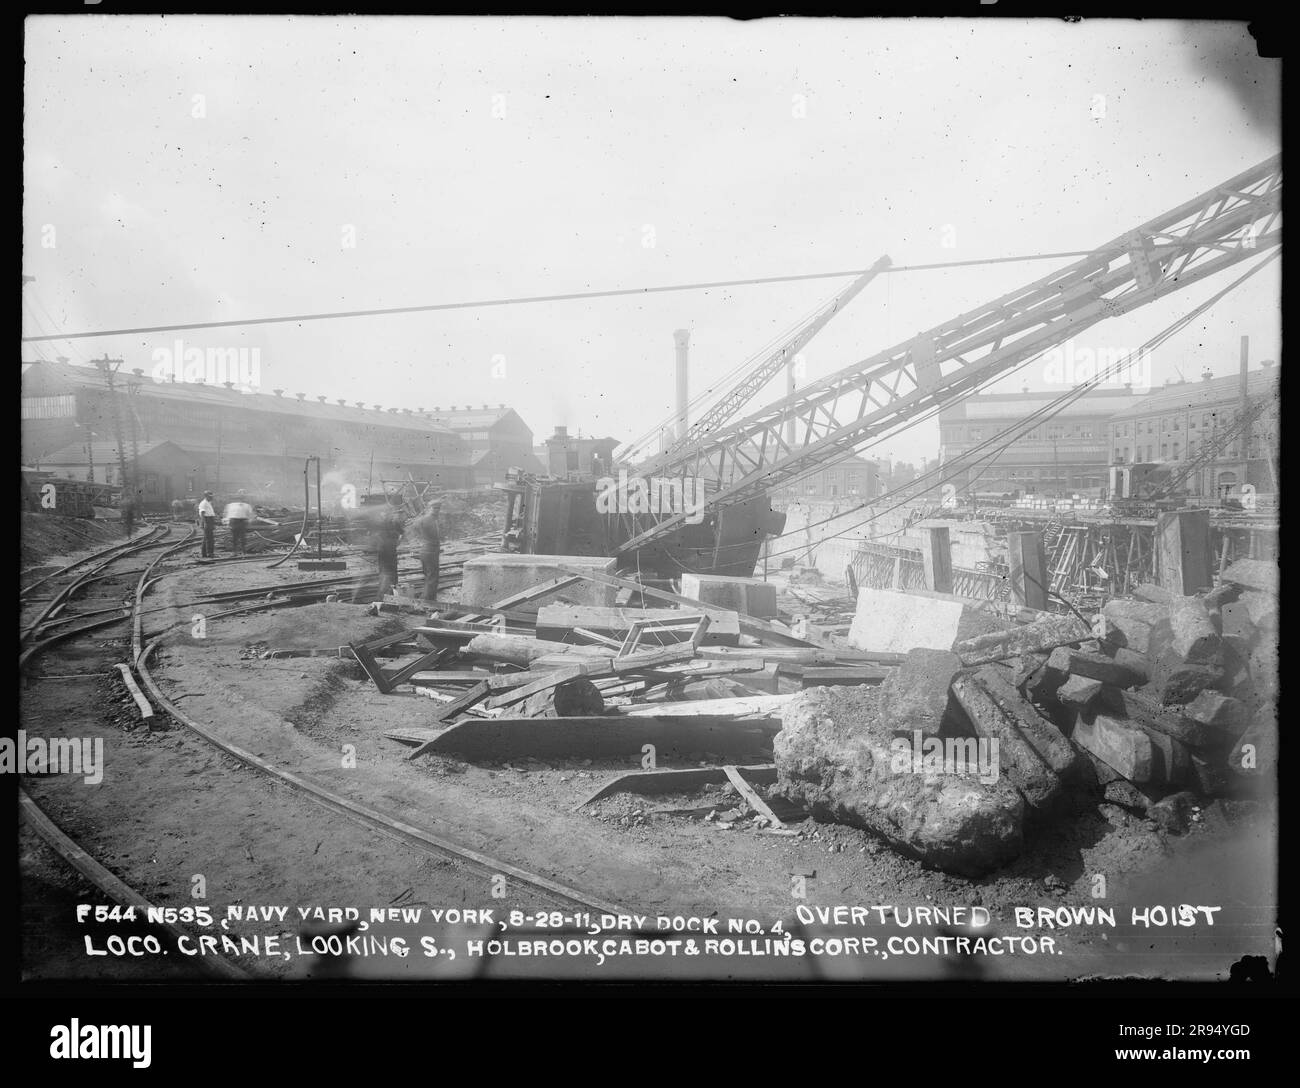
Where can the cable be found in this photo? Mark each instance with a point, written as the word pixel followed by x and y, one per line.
pixel 573 296
pixel 1031 421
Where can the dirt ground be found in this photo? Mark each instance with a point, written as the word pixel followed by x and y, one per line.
pixel 321 718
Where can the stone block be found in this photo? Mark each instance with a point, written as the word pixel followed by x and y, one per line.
pixel 748 596
pixel 917 695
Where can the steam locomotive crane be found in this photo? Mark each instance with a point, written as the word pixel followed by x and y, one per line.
pixel 749 458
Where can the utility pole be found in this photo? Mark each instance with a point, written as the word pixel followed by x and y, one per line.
pixel 109 367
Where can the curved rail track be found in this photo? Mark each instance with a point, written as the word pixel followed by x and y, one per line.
pixel 40 634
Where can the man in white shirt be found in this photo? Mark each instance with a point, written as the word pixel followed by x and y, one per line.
pixel 208 522
pixel 238 515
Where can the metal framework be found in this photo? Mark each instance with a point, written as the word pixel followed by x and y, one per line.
pixel 752 456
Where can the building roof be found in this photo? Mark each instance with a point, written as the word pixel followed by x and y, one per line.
pixel 1192 395
pixel 49 378
pixel 467 418
pixel 105 453
pixel 986 406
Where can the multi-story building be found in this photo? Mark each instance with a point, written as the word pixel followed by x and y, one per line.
pixel 497 440
pixel 1065 453
pixel 852 478
pixel 231 439
pixel 1174 423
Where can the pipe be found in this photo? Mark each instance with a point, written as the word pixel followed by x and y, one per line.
pixel 682 339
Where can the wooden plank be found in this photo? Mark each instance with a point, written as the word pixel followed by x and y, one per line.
pixel 749 625
pixel 811 676
pixel 424 661
pixel 751 795
pixel 752 706
pixel 676 740
pixel 461 702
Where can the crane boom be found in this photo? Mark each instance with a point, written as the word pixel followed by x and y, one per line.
pixel 750 457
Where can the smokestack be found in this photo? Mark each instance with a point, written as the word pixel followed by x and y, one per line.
pixel 682 338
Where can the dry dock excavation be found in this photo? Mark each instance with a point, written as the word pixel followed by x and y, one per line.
pixel 918 626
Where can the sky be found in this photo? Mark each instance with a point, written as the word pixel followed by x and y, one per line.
pixel 187 169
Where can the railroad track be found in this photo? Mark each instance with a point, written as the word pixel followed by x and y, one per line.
pixel 50 628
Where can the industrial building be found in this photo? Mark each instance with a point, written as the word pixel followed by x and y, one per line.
pixel 1173 423
pixel 497 439
pixel 1068 452
pixel 76 416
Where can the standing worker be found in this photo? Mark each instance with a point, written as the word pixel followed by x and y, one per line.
pixel 128 512
pixel 238 515
pixel 208 522
pixel 388 534
pixel 426 531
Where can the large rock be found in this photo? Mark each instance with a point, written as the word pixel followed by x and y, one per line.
pixel 917 696
pixel 1262 608
pixel 1146 712
pixel 1033 753
pixel 1187 637
pixel 1225 718
pixel 890 621
pixel 836 755
pixel 1179 684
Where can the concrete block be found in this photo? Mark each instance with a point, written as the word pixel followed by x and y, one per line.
pixel 1180 684
pixel 1095 666
pixel 1078 693
pixel 748 596
pixel 1034 754
pixel 1121 746
pixel 490 578
pixel 1262 608
pixel 888 621
pixel 1152 593
pixel 1256 574
pixel 1045 633
pixel 1187 637
pixel 1225 717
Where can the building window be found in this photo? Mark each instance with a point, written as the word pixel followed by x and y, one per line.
pixel 58 407
pixel 1175 451
pixel 976 433
pixel 1085 430
pixel 1164 451
pixel 1151 427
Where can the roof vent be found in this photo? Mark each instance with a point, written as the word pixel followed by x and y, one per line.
pixel 229 385
pixel 485 407
pixel 1269 364
pixel 341 403
pixel 322 399
pixel 301 396
pixel 1207 374
pixel 360 404
pixel 393 411
pixel 278 392
pixel 138 371
pixel 500 405
pixel 379 407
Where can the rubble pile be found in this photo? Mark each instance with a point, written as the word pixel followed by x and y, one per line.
pixel 1157 702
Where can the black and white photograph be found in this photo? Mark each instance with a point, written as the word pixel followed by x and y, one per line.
pixel 609 500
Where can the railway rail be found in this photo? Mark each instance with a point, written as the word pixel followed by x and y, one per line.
pixel 374 820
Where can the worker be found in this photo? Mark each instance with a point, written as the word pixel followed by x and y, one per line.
pixel 208 523
pixel 388 533
pixel 238 514
pixel 128 511
pixel 178 509
pixel 426 532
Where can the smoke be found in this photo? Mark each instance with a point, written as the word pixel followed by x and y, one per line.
pixel 1229 54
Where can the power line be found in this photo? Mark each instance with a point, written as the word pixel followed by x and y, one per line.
pixel 521 300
